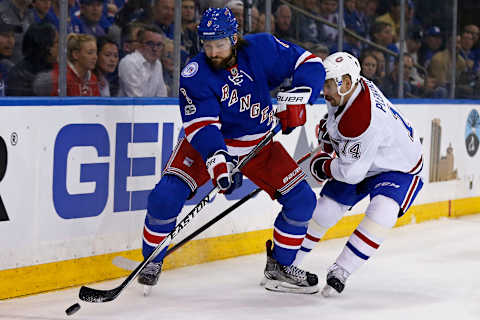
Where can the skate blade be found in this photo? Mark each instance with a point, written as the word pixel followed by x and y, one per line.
pixel 329 292
pixel 147 290
pixel 281 286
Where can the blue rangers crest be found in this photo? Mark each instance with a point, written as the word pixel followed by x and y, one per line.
pixel 190 70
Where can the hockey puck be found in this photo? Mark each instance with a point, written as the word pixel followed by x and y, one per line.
pixel 72 309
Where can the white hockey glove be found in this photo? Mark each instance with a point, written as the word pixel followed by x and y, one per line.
pixel 291 108
pixel 221 166
pixel 320 166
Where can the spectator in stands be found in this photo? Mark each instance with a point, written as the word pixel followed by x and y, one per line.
pixel 413 43
pixel 40 10
pixel 16 12
pixel 328 11
pixel 163 16
pixel 440 67
pixel 381 33
pixel 81 60
pixel 381 64
pixel 73 25
pixel 467 82
pixel 390 84
pixel 435 13
pixel 168 65
pixel 133 11
pixel 255 18
pixel 368 62
pixel 107 62
pixel 141 73
pixel 475 53
pixel 237 9
pixel 261 24
pixel 412 46
pixel 40 51
pixel 130 38
pixel 350 44
pixel 189 20
pixel 284 28
pixel 392 17
pixel 353 19
pixel 7 43
pixel 310 30
pixel 368 12
pixel 320 50
pixel 90 16
pixel 189 36
pixel 432 44
pixel 432 89
pixel 465 48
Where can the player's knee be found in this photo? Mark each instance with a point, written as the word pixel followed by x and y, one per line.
pixel 168 197
pixel 299 203
pixel 328 212
pixel 383 210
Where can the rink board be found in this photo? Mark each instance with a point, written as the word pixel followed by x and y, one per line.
pixel 74 182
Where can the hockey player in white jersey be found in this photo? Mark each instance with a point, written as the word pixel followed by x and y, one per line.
pixel 378 154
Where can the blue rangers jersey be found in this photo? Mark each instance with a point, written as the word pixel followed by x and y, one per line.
pixel 231 109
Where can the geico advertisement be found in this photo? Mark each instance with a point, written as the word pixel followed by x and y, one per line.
pixel 74 180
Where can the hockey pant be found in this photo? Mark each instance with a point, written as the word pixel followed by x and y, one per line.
pixel 272 169
pixel 388 202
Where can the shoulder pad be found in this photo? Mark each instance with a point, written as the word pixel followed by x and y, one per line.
pixel 356 119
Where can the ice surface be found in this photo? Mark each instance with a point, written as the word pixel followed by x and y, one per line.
pixel 425 271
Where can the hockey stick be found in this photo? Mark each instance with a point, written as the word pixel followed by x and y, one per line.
pixel 130 264
pixel 96 295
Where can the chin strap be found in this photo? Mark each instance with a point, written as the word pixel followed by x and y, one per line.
pixel 339 82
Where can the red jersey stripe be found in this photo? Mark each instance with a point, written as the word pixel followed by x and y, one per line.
pixel 198 125
pixel 152 238
pixel 286 240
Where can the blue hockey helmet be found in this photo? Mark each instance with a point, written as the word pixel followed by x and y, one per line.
pixel 217 23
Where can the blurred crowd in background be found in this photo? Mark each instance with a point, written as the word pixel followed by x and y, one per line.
pixel 126 48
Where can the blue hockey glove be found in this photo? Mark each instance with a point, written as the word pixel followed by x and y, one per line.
pixel 291 108
pixel 221 166
pixel 320 166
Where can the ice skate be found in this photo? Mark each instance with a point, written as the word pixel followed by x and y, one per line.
pixel 287 278
pixel 149 276
pixel 336 278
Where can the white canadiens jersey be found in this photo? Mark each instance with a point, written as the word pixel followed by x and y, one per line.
pixel 370 136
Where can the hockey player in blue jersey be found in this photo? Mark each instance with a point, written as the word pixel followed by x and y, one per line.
pixel 226 110
pixel 378 154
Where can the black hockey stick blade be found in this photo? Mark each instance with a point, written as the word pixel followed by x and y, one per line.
pixel 96 295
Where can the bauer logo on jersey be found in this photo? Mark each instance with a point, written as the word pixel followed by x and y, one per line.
pixel 190 109
pixel 190 70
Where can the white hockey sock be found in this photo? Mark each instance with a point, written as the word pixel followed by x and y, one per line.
pixel 314 233
pixel 369 235
pixel 362 244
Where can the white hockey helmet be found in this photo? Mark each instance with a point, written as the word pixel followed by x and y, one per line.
pixel 342 63
pixel 339 64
